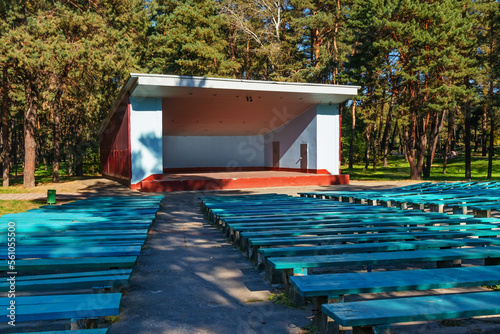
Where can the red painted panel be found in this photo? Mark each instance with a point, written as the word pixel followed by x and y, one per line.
pixel 240 183
pixel 115 144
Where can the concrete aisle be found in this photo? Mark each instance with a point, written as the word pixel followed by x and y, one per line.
pixel 190 280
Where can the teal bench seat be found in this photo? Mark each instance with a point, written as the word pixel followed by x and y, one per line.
pixel 372 247
pixel 400 280
pixel 51 251
pixel 81 331
pixel 333 287
pixel 379 314
pixel 254 244
pixel 299 263
pixel 56 307
pixel 112 279
pixel 70 264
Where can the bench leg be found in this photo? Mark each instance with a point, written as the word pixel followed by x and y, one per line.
pixel 482 213
pixel 492 261
pixel 437 208
pixel 324 323
pixel 290 289
pixel 460 210
pixel 380 329
pixel 273 275
pixel 403 206
pixel 449 263
pixel 90 323
pixel 418 206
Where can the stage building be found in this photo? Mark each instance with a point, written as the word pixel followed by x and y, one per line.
pixel 168 132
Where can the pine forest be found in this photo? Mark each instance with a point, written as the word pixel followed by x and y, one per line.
pixel 429 70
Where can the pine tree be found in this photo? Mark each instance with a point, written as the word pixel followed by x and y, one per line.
pixel 187 39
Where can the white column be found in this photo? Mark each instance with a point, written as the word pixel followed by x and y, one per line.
pixel 146 137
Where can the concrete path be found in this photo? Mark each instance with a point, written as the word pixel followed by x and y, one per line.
pixel 190 280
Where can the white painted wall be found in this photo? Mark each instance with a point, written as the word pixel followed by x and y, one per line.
pixel 146 137
pixel 213 151
pixel 300 130
pixel 319 128
pixel 328 149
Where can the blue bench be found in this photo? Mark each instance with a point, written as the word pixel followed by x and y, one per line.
pixel 380 314
pixel 333 287
pixel 71 264
pixel 81 331
pixel 58 307
pixel 275 276
pixel 233 229
pixel 299 265
pixel 254 244
pixel 102 280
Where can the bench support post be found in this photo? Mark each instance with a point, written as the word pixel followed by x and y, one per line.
pixel 418 206
pixel 492 261
pixel 290 289
pixel 324 323
pixel 460 210
pixel 437 208
pixel 273 275
pixel 379 329
pixel 482 213
pixel 89 323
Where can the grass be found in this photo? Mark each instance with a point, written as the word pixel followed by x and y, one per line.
pixel 15 206
pixel 282 298
pixel 310 329
pixel 399 169
pixel 44 177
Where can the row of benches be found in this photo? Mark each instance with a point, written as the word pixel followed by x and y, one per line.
pixel 479 197
pixel 84 246
pixel 329 234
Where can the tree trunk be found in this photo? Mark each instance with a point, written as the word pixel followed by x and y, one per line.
pixel 387 130
pixel 467 122
pixel 491 152
pixel 353 134
pixel 57 143
pixel 451 127
pixel 436 128
pixel 29 131
pixel 79 152
pixel 484 131
pixel 367 149
pixel 375 145
pixel 5 154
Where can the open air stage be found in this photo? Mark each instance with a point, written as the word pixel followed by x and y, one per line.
pixel 237 180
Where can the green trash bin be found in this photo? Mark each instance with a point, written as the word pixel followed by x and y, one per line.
pixel 51 196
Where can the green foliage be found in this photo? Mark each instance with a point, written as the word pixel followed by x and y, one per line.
pixel 419 64
pixel 282 298
pixel 398 169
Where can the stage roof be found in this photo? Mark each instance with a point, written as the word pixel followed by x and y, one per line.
pixel 200 106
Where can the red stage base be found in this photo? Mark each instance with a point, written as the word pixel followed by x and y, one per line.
pixel 236 180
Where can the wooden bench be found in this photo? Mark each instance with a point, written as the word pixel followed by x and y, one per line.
pixel 368 248
pixel 81 331
pixel 311 216
pixel 58 307
pixel 103 280
pixel 71 264
pixel 52 252
pixel 376 316
pixel 254 244
pixel 299 265
pixel 333 287
pixel 233 229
